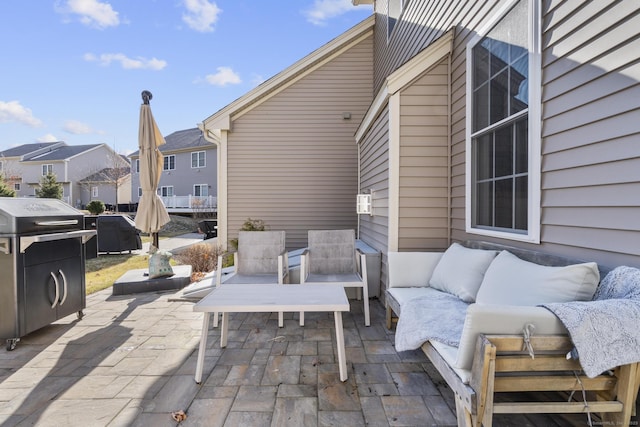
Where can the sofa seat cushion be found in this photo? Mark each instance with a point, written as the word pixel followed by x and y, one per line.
pixel 510 280
pixel 450 354
pixel 460 271
pixel 402 295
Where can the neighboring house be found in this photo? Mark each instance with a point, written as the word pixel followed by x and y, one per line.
pixel 189 177
pixel 27 164
pixel 110 184
pixel 515 122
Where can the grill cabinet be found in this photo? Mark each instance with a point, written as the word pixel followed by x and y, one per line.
pixel 42 264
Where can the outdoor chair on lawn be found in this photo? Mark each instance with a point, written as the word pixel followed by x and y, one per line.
pixel 332 258
pixel 261 258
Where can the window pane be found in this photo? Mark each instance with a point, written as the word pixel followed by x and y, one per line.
pixel 504 151
pixel 499 96
pixel 522 196
pixel 484 157
pixel 522 147
pixel 504 203
pixel 520 85
pixel 481 107
pixel 484 203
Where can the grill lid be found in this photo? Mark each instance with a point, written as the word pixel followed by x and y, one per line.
pixel 21 215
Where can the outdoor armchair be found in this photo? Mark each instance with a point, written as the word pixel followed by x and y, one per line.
pixel 261 258
pixel 332 258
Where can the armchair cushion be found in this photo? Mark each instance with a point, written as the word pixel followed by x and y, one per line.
pixel 460 271
pixel 510 280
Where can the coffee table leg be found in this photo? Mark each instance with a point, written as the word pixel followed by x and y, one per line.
pixel 203 347
pixel 224 331
pixel 340 344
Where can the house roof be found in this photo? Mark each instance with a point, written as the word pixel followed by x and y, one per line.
pixel 62 153
pixel 107 175
pixel 24 149
pixel 182 140
pixel 223 118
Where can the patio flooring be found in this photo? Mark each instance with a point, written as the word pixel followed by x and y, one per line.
pixel 131 361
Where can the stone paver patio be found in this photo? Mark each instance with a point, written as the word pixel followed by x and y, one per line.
pixel 131 361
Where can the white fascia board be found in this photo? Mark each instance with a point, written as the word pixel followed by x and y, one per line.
pixel 223 118
pixel 374 109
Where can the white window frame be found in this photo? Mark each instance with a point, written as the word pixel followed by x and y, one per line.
pixel 16 186
pixel 201 159
pixel 201 186
pixel 47 169
pixel 139 191
pixel 166 191
pixel 94 191
pixel 534 138
pixel 137 165
pixel 167 163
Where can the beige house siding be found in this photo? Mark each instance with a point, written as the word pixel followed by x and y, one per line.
pixel 423 217
pixel 292 159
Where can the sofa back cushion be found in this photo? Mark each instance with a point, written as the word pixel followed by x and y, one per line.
pixel 510 280
pixel 411 269
pixel 460 271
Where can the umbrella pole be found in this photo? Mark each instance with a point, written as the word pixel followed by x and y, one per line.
pixel 154 240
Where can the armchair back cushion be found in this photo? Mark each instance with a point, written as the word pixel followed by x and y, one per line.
pixel 510 280
pixel 332 252
pixel 258 252
pixel 460 271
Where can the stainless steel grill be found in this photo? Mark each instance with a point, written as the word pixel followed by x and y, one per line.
pixel 42 263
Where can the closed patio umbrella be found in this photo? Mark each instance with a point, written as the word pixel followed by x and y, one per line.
pixel 151 215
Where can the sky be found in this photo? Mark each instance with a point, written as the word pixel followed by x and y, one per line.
pixel 74 70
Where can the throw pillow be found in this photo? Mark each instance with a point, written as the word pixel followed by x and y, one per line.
pixel 510 280
pixel 460 271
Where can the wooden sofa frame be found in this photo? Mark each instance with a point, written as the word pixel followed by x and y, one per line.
pixel 503 364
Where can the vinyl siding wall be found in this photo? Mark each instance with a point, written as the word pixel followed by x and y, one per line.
pixel 590 177
pixel 292 160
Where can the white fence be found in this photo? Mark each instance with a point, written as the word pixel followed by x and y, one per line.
pixel 195 203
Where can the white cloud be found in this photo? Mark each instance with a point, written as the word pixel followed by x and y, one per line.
pixel 126 62
pixel 92 13
pixel 77 128
pixel 322 10
pixel 224 76
pixel 13 111
pixel 47 138
pixel 201 15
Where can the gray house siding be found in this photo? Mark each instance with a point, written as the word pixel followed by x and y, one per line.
pixel 292 160
pixel 590 160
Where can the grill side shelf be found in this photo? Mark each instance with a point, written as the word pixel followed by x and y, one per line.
pixel 26 241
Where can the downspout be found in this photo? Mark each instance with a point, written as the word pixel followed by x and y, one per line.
pixel 449 138
pixel 359 189
pixel 221 185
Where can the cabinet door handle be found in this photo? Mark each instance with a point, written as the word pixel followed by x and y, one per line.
pixel 64 286
pixel 55 282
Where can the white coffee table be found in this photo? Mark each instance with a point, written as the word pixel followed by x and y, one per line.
pixel 259 298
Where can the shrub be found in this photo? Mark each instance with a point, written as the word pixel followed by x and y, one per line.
pixel 95 207
pixel 248 225
pixel 202 257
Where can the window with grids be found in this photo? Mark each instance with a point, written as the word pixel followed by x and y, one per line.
pixel 500 125
pixel 166 191
pixel 198 159
pixel 201 190
pixel 169 162
pixel 47 169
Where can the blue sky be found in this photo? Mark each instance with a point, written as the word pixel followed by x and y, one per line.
pixel 73 70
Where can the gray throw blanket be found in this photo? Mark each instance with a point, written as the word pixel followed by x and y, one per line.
pixel 606 330
pixel 437 316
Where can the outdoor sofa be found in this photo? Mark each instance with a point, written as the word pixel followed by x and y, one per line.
pixel 482 313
